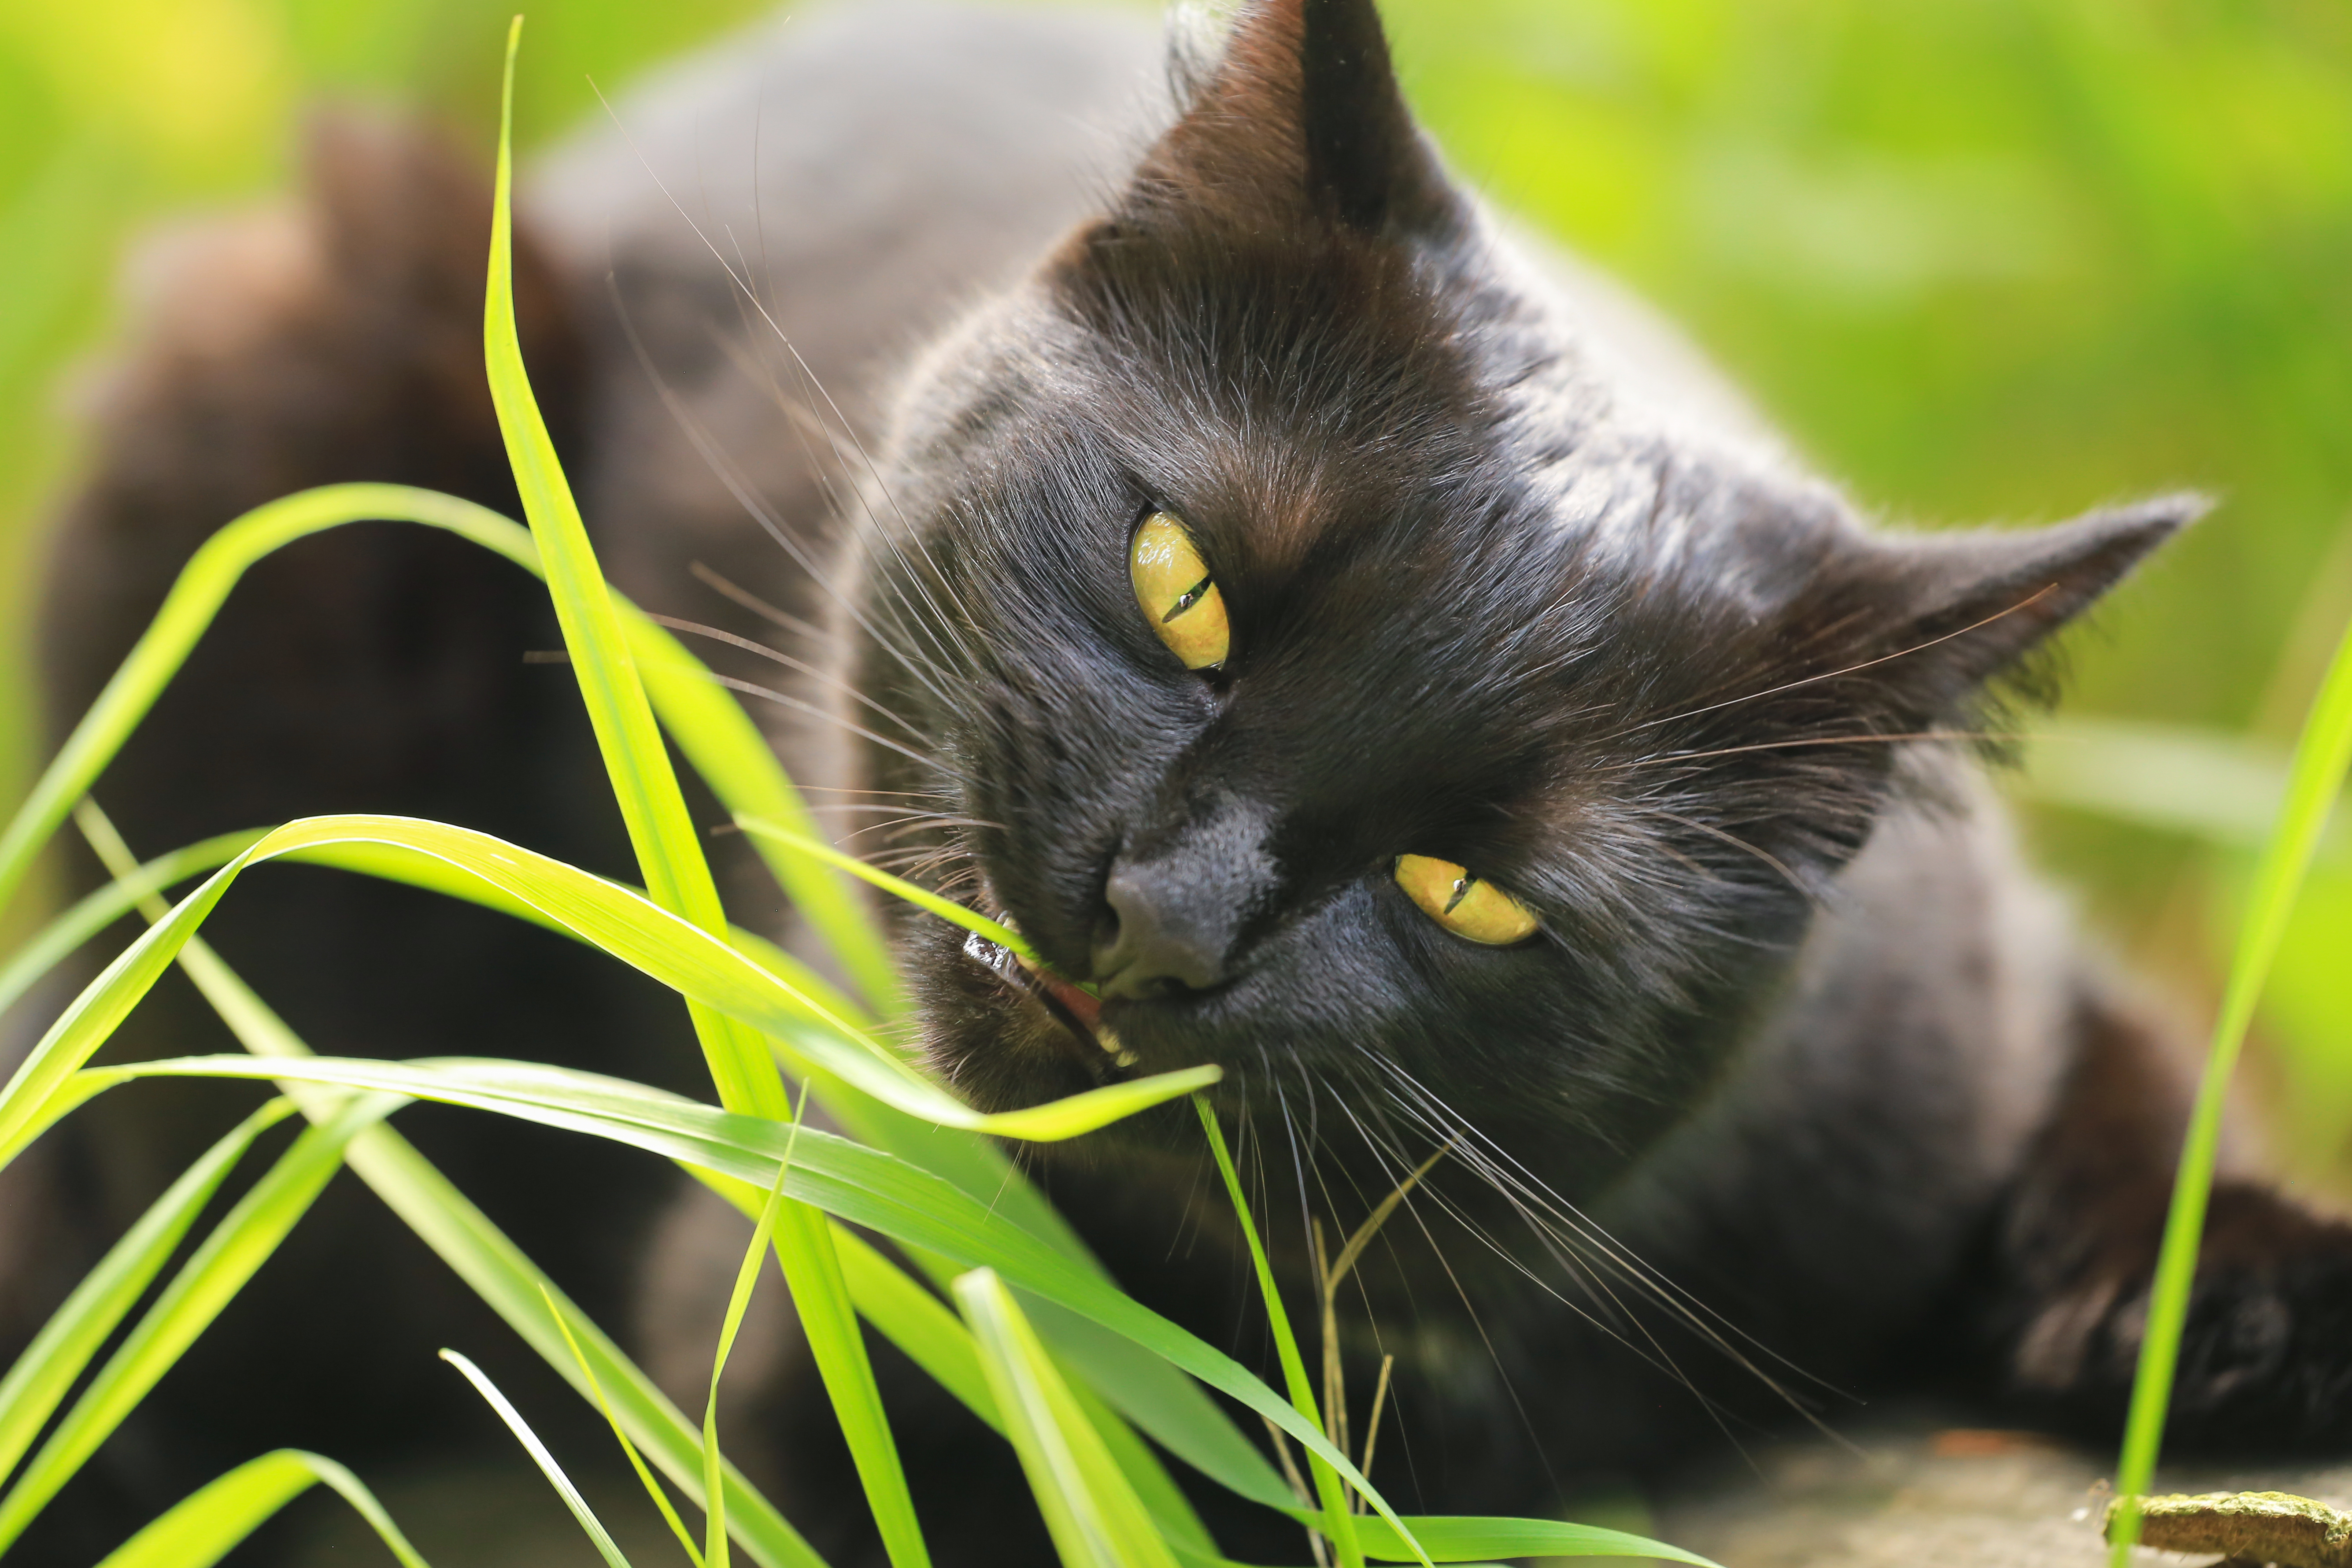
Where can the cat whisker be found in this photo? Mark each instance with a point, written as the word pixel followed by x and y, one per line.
pixel 808 631
pixel 801 666
pixel 809 378
pixel 2026 603
pixel 1796 883
pixel 1563 1220
pixel 1870 739
pixel 803 420
pixel 801 705
pixel 925 672
pixel 900 827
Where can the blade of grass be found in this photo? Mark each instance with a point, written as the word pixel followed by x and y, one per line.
pixel 711 728
pixel 463 1238
pixel 934 1339
pixel 806 847
pixel 196 595
pixel 747 1277
pixel 1462 1537
pixel 61 937
pixel 1094 1516
pixel 712 1485
pixel 37 1383
pixel 861 1186
pixel 202 1527
pixel 917 1322
pixel 592 1527
pixel 212 1276
pixel 1338 1521
pixel 727 749
pixel 2314 780
pixel 739 767
pixel 678 877
pixel 702 966
pixel 653 809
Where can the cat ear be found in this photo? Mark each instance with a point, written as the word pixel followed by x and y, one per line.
pixel 1301 109
pixel 1974 604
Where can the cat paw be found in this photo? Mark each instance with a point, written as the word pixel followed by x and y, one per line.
pixel 2265 1361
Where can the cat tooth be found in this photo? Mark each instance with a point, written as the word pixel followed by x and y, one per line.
pixel 1023 959
pixel 1109 1043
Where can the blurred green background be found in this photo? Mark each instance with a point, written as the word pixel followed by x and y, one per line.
pixel 1986 260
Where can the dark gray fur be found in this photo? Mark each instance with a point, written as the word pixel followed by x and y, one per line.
pixel 1807 1079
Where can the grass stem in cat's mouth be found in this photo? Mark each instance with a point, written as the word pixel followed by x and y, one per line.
pixel 1070 1004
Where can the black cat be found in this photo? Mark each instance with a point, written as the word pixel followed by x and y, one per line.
pixel 1375 655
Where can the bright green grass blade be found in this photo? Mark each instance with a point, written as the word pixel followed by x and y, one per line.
pixel 497 1270
pixel 1158 1399
pixel 592 1527
pixel 803 1241
pixel 711 728
pixel 636 762
pixel 935 1339
pixel 1336 1521
pixel 624 924
pixel 1093 1514
pixel 1171 1512
pixel 481 1255
pixel 1161 1400
pixel 915 1320
pixel 746 1276
pixel 2322 756
pixel 240 1243
pixel 1466 1538
pixel 829 1323
pixel 805 846
pixel 862 1185
pixel 187 610
pixel 61 937
pixel 34 1388
pixel 201 1527
pixel 741 768
pixel 713 1486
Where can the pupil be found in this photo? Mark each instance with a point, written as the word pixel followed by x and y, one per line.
pixel 1461 891
pixel 1186 600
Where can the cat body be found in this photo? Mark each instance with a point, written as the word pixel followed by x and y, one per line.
pixel 1802 1082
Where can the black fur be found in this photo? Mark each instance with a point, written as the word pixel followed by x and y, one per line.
pixel 1800 1068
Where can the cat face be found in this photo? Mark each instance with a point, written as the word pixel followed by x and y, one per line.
pixel 1537 722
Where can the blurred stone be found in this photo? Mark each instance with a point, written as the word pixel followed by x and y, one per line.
pixel 1911 1494
pixel 1902 1492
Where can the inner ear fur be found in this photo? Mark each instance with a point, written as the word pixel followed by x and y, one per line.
pixel 1971 606
pixel 1301 115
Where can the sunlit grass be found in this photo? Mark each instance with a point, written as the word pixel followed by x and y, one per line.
pixel 1071 1371
pixel 2316 782
pixel 1042 1347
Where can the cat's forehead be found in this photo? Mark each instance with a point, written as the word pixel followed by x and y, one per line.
pixel 1320 402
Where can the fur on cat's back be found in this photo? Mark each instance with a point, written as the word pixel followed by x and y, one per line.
pixel 1932 1118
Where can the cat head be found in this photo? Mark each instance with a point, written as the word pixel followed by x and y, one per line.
pixel 1336 665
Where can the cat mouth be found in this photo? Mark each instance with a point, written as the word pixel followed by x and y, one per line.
pixel 1077 1012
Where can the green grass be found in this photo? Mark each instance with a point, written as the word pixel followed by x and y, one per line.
pixel 1039 1343
pixel 1072 1402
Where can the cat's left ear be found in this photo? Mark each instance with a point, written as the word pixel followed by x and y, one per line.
pixel 1973 605
pixel 1302 109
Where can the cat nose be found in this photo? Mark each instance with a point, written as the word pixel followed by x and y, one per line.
pixel 1155 942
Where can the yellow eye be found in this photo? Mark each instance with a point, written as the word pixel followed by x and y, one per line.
pixel 1178 595
pixel 1466 905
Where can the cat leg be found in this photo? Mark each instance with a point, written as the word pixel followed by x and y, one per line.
pixel 380 668
pixel 2266 1358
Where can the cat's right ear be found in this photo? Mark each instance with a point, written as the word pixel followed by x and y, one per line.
pixel 1969 606
pixel 1300 116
